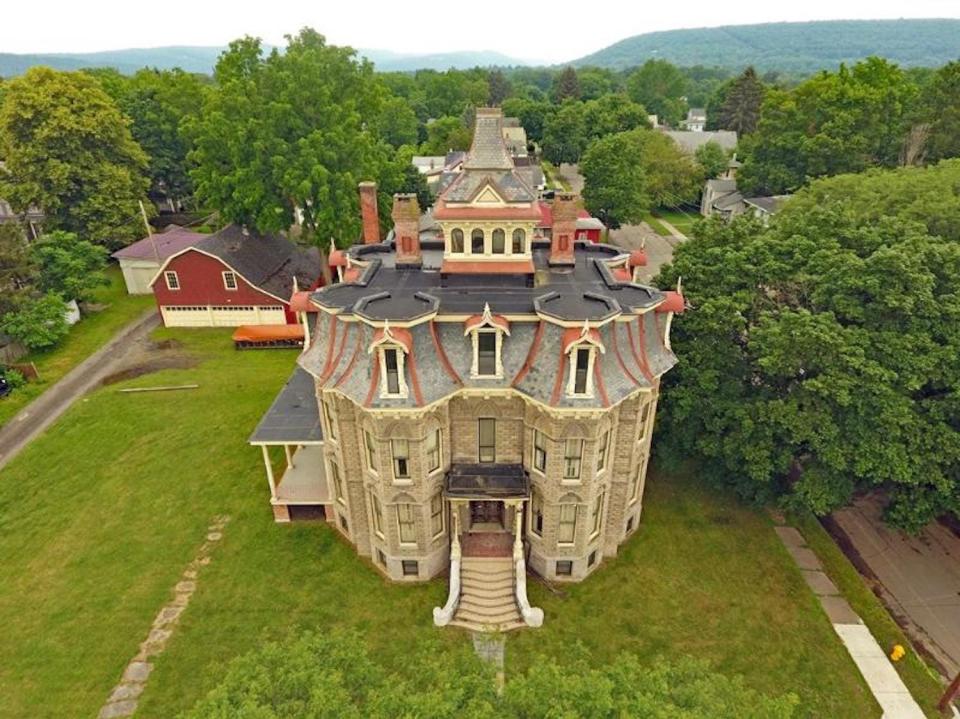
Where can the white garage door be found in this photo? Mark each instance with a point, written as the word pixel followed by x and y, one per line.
pixel 221 316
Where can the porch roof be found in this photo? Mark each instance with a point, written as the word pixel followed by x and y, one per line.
pixel 294 416
pixel 487 481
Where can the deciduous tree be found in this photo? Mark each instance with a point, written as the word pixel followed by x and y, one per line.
pixel 712 158
pixel 566 86
pixel 564 133
pixel 659 87
pixel 69 266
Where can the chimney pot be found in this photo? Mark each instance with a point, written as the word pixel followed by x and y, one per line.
pixel 406 229
pixel 566 207
pixel 369 214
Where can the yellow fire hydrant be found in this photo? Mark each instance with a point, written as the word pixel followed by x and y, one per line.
pixel 897 654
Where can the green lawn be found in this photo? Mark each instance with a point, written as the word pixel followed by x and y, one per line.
pixel 85 338
pixel 683 220
pixel 99 517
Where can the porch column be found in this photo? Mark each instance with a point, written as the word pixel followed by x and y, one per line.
pixel 269 466
pixel 289 456
pixel 518 530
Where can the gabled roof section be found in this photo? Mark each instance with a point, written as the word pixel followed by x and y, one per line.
pixel 160 245
pixel 488 151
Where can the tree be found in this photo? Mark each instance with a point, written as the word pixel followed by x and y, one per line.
pixel 611 114
pixel 500 88
pixel 445 134
pixel 740 107
pixel 564 134
pixel 334 676
pixel 18 269
pixel 289 136
pixel 713 159
pixel 595 82
pixel 566 86
pixel 69 151
pixel 532 113
pixel 833 123
pixel 659 87
pixel 941 112
pixel 398 122
pixel 38 322
pixel 69 266
pixel 820 358
pixel 614 181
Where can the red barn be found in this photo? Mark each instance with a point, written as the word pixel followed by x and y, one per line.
pixel 588 228
pixel 234 277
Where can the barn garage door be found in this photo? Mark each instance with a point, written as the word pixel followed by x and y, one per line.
pixel 222 316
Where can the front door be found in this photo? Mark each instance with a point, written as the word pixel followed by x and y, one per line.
pixel 489 515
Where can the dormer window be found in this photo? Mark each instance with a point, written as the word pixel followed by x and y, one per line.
pixel 487 331
pixel 581 350
pixel 519 242
pixel 391 347
pixel 456 241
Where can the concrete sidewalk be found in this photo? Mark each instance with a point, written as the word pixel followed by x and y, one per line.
pixel 918 577
pixel 45 409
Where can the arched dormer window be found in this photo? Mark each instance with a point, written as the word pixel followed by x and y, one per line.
pixel 487 331
pixel 476 242
pixel 581 348
pixel 456 240
pixel 498 243
pixel 391 347
pixel 519 246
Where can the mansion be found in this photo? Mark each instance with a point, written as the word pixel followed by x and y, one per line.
pixel 478 402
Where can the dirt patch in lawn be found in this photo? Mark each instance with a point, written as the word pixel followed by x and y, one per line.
pixel 149 367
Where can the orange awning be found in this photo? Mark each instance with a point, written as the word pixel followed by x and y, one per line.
pixel 267 333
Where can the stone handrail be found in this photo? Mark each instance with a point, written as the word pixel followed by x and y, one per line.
pixel 443 615
pixel 533 616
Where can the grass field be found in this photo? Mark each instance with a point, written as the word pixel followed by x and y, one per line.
pixel 683 220
pixel 85 338
pixel 99 517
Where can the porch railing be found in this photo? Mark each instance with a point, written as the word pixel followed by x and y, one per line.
pixel 532 616
pixel 443 615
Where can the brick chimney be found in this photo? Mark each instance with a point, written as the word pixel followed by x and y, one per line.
pixel 368 211
pixel 564 231
pixel 406 229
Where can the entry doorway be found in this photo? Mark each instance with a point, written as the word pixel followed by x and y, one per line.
pixel 486 516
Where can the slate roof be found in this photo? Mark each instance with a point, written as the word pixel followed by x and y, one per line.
pixel 767 204
pixel 690 140
pixel 294 416
pixel 488 151
pixel 169 243
pixel 268 261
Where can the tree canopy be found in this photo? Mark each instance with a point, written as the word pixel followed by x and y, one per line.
pixel 659 86
pixel 821 353
pixel 68 150
pixel 737 106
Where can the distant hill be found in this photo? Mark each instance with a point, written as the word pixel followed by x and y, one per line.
pixel 799 46
pixel 203 59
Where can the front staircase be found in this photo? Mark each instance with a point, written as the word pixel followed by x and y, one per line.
pixel 487 601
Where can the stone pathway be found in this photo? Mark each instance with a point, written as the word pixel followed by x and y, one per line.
pixel 491 647
pixel 888 688
pixel 123 700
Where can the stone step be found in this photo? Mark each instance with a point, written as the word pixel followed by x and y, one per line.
pixel 487 567
pixel 488 592
pixel 478 602
pixel 486 618
pixel 468 573
pixel 475 627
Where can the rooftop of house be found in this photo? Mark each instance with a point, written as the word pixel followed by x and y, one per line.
pixel 690 140
pixel 160 245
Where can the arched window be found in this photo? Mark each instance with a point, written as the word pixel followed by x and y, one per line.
pixel 476 242
pixel 519 242
pixel 456 240
pixel 499 242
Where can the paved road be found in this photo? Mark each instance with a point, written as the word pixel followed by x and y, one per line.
pixel 45 409
pixel 919 577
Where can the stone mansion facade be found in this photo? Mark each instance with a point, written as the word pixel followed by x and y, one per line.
pixel 477 403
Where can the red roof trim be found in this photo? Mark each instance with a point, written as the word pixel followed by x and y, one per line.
pixel 531 355
pixel 328 365
pixel 339 357
pixel 374 380
pixel 643 349
pixel 656 323
pixel 414 380
pixel 441 353
pixel 555 397
pixel 356 353
pixel 636 356
pixel 574 335
pixel 598 377
pixel 616 351
pixel 443 212
pixel 498 321
pixel 399 335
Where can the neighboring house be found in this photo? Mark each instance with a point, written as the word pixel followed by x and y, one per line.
pixel 141 261
pixel 690 141
pixel 428 164
pixel 765 207
pixel 474 403
pixel 234 277
pixel 721 197
pixel 696 119
pixel 514 137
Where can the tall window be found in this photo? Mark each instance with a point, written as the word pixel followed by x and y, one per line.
pixel 637 481
pixel 173 280
pixel 597 515
pixel 392 368
pixel 433 450
pixel 371 451
pixel 582 358
pixel 487 432
pixel 571 458
pixel 568 524
pixel 436 515
pixel 229 280
pixel 644 416
pixel 539 450
pixel 498 242
pixel 602 448
pixel 401 458
pixel 377 511
pixel 476 242
pixel 519 242
pixel 456 240
pixel 407 524
pixel 337 481
pixel 536 513
pixel 486 353
pixel 328 419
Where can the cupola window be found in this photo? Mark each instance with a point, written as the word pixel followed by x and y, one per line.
pixel 498 246
pixel 456 241
pixel 476 242
pixel 519 242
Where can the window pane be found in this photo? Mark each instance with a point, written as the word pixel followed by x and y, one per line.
pixel 602 451
pixel 406 523
pixel 536 514
pixel 518 241
pixel 401 453
pixel 433 450
pixel 436 515
pixel 539 450
pixel 393 376
pixel 476 242
pixel 597 515
pixel 583 361
pixel 568 523
pixel 456 241
pixel 574 449
pixel 499 242
pixel 487 433
pixel 371 452
pixel 487 353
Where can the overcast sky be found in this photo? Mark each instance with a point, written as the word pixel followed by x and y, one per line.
pixel 537 30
